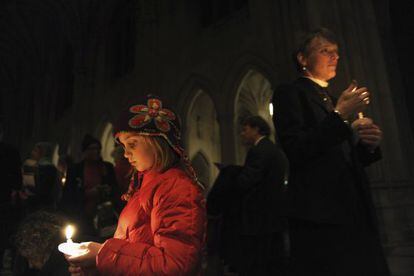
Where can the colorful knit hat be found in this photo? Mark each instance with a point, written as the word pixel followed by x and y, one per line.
pixel 154 119
pixel 151 119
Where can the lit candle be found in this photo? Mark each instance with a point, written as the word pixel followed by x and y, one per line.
pixel 360 114
pixel 69 233
pixel 271 109
pixel 69 247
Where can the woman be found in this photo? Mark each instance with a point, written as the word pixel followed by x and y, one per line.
pixel 161 229
pixel 332 221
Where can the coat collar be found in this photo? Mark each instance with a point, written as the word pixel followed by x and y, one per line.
pixel 313 90
pixel 151 176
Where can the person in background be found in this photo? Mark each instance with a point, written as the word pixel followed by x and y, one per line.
pixel 47 187
pixel 161 230
pixel 333 226
pixel 224 223
pixel 36 240
pixel 89 183
pixel 261 183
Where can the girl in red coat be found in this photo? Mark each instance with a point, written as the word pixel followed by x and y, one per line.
pixel 161 229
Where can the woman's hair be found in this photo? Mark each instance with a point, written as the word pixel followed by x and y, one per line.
pixel 305 40
pixel 39 234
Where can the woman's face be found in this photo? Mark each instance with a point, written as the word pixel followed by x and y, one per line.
pixel 321 60
pixel 139 154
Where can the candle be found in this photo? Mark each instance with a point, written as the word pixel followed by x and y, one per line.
pixel 69 233
pixel 360 114
pixel 69 247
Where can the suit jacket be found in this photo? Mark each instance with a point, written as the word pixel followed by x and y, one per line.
pixel 261 183
pixel 327 183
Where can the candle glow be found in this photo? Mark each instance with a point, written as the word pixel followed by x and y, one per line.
pixel 69 232
pixel 360 114
pixel 69 247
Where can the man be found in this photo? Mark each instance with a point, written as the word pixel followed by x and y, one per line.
pixel 261 183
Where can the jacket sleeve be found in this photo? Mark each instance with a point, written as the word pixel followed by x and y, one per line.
pixel 253 170
pixel 178 226
pixel 303 142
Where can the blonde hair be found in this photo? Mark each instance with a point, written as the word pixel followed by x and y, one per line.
pixel 164 156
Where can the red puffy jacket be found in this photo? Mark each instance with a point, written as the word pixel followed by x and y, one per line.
pixel 161 230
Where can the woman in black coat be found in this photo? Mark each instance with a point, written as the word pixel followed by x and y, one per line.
pixel 333 226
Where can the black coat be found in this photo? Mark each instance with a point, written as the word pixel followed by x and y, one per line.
pixel 261 184
pixel 327 180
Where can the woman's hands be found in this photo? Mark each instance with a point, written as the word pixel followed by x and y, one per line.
pixel 352 101
pixel 369 134
pixel 84 264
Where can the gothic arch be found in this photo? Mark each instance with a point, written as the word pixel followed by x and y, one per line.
pixel 253 97
pixel 241 70
pixel 108 143
pixel 202 133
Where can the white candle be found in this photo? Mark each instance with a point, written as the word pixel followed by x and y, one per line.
pixel 69 233
pixel 69 247
pixel 360 114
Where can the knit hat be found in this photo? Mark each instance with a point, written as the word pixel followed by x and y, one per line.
pixel 152 118
pixel 89 140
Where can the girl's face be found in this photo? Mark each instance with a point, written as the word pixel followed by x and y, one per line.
pixel 139 154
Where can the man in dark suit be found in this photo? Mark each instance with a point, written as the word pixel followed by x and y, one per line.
pixel 261 183
pixel 333 227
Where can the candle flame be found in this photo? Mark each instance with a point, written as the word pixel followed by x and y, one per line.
pixel 69 232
